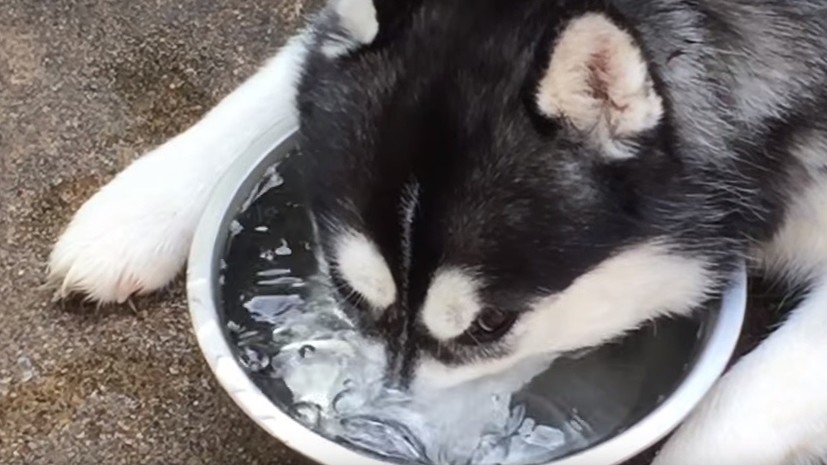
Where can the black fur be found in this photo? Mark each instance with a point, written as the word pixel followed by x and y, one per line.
pixel 445 98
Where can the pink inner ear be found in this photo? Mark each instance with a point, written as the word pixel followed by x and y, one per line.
pixel 599 75
pixel 598 81
pixel 602 71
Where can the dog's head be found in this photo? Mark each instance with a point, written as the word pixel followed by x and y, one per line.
pixel 494 181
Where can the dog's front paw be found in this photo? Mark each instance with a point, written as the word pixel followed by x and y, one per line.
pixel 132 237
pixel 742 421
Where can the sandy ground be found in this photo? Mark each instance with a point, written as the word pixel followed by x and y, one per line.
pixel 85 87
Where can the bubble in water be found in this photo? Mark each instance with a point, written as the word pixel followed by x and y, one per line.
pixel 284 249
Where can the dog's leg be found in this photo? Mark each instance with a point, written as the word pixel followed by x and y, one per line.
pixel 133 236
pixel 771 408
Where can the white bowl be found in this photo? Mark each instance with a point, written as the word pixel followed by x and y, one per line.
pixel 717 344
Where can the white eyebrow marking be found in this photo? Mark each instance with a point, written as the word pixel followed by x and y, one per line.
pixel 452 303
pixel 362 265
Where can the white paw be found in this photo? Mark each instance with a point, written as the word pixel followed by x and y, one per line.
pixel 132 236
pixel 768 410
pixel 716 438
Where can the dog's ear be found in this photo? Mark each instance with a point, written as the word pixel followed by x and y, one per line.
pixel 599 82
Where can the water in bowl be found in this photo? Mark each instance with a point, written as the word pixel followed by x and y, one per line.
pixel 299 347
pixel 335 378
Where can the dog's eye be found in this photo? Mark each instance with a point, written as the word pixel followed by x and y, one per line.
pixel 489 326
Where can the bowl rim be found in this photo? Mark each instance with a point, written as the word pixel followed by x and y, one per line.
pixel 203 272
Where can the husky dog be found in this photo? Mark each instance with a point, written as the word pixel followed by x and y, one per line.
pixel 502 179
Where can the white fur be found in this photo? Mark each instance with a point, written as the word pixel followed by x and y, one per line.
pixel 452 303
pixel 361 264
pixel 799 248
pixel 358 17
pixel 133 236
pixel 637 285
pixel 771 408
pixel 593 52
pixel 359 26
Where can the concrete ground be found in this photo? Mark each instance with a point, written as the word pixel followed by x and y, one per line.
pixel 85 87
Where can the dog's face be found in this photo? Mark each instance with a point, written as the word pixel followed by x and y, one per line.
pixel 491 185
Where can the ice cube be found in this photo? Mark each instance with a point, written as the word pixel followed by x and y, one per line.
pixel 271 308
pixel 308 413
pixel 515 419
pixel 336 377
pixel 282 281
pixel 313 371
pixel 272 180
pixel 390 438
pixel 348 401
pixel 526 428
pixel 274 272
pixel 521 452
pixel 492 450
pixel 546 437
